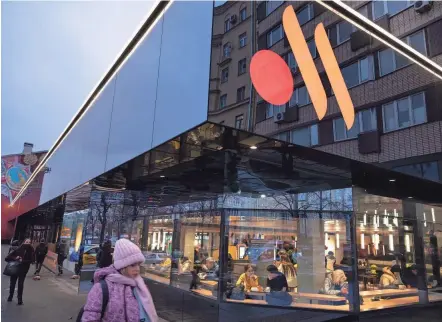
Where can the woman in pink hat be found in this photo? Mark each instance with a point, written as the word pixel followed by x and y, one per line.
pixel 129 298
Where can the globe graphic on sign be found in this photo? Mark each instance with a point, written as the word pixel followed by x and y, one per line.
pixel 16 177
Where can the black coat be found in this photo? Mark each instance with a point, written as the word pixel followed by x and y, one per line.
pixel 27 254
pixel 40 252
pixel 104 257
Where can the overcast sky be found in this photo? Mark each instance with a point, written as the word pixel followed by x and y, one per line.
pixel 53 54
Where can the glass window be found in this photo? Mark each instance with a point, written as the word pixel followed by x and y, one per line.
pixel 225 75
pixel 227 49
pixel 242 66
pixel 396 6
pixel 427 170
pixel 305 14
pixel 314 135
pixel 382 7
pixel 312 47
pixel 365 121
pixel 243 14
pixel 269 111
pixel 227 25
pixel 272 6
pixel 386 61
pixel 291 62
pixel 274 36
pixel 417 41
pixel 301 136
pixel 405 112
pixel 302 96
pixel 239 121
pixel 339 130
pixel 241 94
pixel 223 101
pixel 358 72
pixel 351 75
pixel 242 40
pixel 344 29
pixel 364 69
pixel 354 130
pixel 283 136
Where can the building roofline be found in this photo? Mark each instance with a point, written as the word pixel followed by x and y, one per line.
pixel 12 154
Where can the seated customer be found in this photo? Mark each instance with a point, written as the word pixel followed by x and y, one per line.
pixel 410 276
pixel 276 281
pixel 248 279
pixel 388 279
pixel 185 265
pixel 336 283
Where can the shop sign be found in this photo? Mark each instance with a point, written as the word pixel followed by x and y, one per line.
pixel 273 80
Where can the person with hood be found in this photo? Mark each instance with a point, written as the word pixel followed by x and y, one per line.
pixel 129 297
pixel 330 261
pixel 40 254
pixel 14 245
pixel 25 255
pixel 336 283
pixel 104 256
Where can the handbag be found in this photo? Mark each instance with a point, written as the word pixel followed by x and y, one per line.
pixel 12 268
pixel 237 294
pixel 279 298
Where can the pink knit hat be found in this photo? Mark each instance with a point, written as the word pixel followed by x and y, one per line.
pixel 126 253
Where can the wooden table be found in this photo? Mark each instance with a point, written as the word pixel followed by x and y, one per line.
pixel 309 296
pixel 390 293
pixel 365 277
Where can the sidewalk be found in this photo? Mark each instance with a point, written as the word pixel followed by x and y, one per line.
pixel 52 298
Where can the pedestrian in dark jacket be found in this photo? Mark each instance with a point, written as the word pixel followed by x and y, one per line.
pixel 104 256
pixel 40 254
pixel 14 245
pixel 25 255
pixel 60 249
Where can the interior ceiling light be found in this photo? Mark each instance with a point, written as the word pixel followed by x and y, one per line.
pixel 392 180
pixel 253 147
pixel 86 106
pixel 383 36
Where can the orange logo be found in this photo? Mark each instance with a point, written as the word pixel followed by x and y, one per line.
pixel 273 79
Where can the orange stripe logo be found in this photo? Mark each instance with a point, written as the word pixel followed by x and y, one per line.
pixel 273 79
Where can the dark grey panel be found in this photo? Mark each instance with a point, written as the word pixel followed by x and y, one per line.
pixel 134 102
pixel 183 85
pixel 95 134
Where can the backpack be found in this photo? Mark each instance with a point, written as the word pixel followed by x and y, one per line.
pixel 105 291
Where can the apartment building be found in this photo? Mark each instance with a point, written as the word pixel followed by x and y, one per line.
pixel 398 104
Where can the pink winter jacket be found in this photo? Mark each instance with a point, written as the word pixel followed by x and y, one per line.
pixel 122 305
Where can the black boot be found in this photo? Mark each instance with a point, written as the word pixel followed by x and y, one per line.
pixel 10 298
pixel 20 302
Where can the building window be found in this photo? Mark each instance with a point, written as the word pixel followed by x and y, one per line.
pixel 291 62
pixel 363 11
pixel 427 170
pixel 390 60
pixel 274 36
pixel 225 75
pixel 241 94
pixel 239 121
pixel 223 101
pixel 243 14
pixel 273 110
pixel 227 50
pixel 404 112
pixel 382 7
pixel 227 25
pixel 359 72
pixel 242 40
pixel 242 66
pixel 283 136
pixel 300 97
pixel 312 47
pixel 306 136
pixel 344 30
pixel 272 6
pixel 305 14
pixel 365 121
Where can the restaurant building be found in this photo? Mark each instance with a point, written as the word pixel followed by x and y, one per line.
pixel 207 202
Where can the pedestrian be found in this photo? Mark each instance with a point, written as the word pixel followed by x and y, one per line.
pixel 129 298
pixel 60 249
pixel 25 255
pixel 104 256
pixel 14 245
pixel 40 254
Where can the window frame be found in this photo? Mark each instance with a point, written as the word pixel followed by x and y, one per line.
pixel 273 8
pixel 269 35
pixel 371 71
pixel 394 62
pixel 227 46
pixel 221 99
pixel 311 13
pixel 241 119
pixel 272 110
pixel 241 89
pixel 410 112
pixel 374 125
pixel 243 9
pixel 386 10
pixel 240 72
pixel 338 41
pixel 227 25
pixel 310 129
pixel 222 75
pixel 296 94
pixel 240 37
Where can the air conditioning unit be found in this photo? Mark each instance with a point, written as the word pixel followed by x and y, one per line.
pixel 233 18
pixel 423 6
pixel 279 117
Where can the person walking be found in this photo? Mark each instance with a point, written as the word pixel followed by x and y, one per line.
pixel 40 254
pixel 104 256
pixel 60 249
pixel 25 255
pixel 129 298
